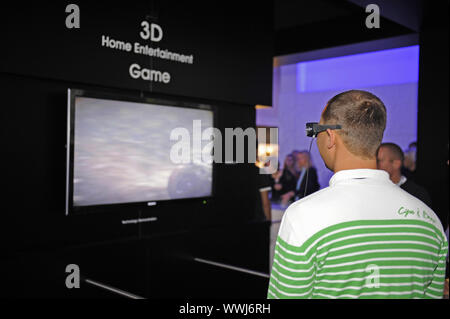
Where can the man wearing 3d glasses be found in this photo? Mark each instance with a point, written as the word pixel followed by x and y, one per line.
pixel 361 237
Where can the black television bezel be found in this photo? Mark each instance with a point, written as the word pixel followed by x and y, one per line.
pixel 171 101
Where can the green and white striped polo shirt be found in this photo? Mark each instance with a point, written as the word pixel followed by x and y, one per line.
pixel 361 237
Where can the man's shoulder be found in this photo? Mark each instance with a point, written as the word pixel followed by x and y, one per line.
pixel 417 200
pixel 312 199
pixel 314 206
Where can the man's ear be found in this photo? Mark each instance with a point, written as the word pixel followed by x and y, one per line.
pixel 331 138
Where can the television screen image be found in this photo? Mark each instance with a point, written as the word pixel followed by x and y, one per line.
pixel 121 153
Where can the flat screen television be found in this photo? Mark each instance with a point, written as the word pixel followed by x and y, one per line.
pixel 119 151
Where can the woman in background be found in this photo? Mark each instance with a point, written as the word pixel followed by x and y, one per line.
pixel 306 172
pixel 285 181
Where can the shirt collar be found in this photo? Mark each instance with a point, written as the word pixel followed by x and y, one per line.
pixel 359 174
pixel 402 181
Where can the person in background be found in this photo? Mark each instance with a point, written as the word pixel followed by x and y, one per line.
pixel 274 178
pixel 390 158
pixel 409 161
pixel 286 179
pixel 306 171
pixel 263 188
pixel 295 152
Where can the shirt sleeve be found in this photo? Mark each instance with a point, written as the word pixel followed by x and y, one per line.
pixel 436 288
pixel 264 183
pixel 294 268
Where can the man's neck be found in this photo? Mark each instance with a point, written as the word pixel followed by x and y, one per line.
pixel 395 178
pixel 355 163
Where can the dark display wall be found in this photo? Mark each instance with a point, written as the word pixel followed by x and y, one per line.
pixel 433 132
pixel 231 46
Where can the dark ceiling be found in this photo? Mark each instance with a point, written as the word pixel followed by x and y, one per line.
pixel 304 25
pixel 294 13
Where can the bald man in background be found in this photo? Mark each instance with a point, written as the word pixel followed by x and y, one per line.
pixel 390 159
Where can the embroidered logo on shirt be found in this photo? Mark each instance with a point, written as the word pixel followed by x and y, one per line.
pixel 406 212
